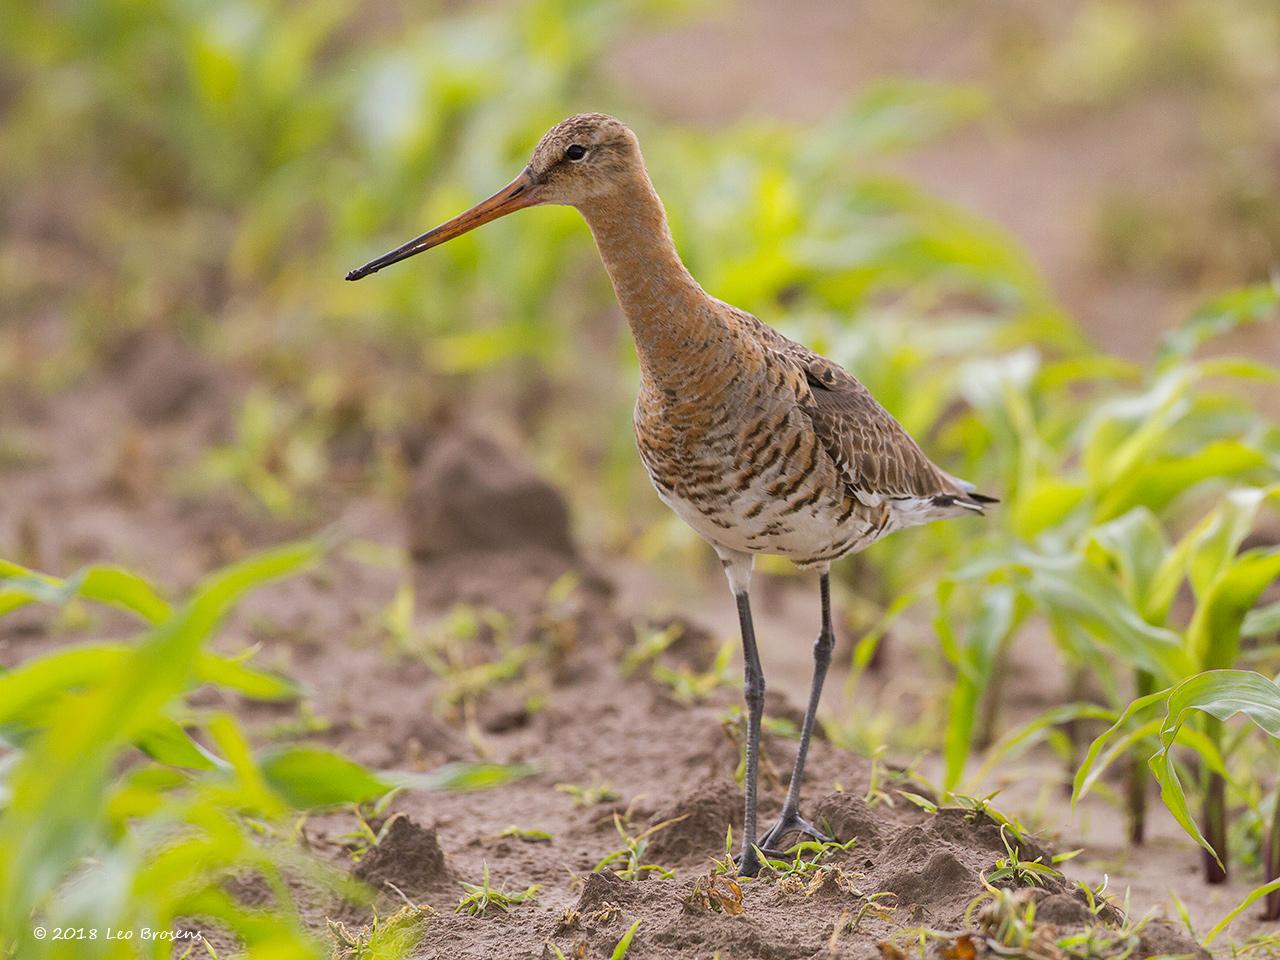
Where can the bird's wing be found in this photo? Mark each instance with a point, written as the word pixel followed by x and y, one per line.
pixel 875 455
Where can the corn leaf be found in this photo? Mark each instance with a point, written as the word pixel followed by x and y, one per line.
pixel 1072 588
pixel 1213 637
pixel 310 778
pixel 1247 305
pixel 1218 540
pixel 1033 731
pixel 468 776
pixel 1090 768
pixel 1221 694
pixel 1262 622
pixel 1256 894
pixel 1136 544
pixel 110 585
pixel 974 661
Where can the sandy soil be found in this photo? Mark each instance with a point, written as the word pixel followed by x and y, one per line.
pixel 97 488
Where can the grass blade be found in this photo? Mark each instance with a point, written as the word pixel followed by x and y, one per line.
pixel 620 951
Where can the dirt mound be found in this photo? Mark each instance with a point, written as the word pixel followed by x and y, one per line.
pixel 472 495
pixel 708 808
pixel 846 817
pixel 1162 938
pixel 409 857
pixel 164 377
pixel 546 689
pixel 921 877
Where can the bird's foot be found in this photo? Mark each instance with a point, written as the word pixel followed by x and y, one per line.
pixel 749 861
pixel 790 823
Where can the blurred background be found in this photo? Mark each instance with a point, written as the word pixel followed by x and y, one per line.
pixel 202 175
pixel 1042 234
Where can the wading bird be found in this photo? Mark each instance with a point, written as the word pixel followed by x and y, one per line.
pixel 756 442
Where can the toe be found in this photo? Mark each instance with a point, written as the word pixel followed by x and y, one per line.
pixel 789 825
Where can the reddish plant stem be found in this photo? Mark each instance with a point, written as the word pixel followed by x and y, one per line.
pixel 1136 798
pixel 1136 792
pixel 1271 904
pixel 1214 828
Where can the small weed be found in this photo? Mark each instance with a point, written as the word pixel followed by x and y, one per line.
pixel 977 807
pixel 726 867
pixel 1006 916
pixel 884 776
pixel 1095 897
pixel 1260 946
pixel 451 648
pixel 916 938
pixel 1184 915
pixel 394 938
pixel 924 803
pixel 480 897
pixel 360 840
pixel 620 951
pixel 1024 873
pixel 631 855
pixel 529 836
pixel 690 686
pixel 608 910
pixel 589 796
pixel 649 644
pixel 879 905
pixel 1007 920
pixel 799 866
pixel 558 620
pixel 717 893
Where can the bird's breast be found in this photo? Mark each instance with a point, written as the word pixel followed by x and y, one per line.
pixel 749 473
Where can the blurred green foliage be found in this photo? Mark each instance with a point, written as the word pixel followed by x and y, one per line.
pixel 213 168
pixel 68 855
pixel 124 807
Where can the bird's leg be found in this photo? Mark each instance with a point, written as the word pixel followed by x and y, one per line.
pixel 753 692
pixel 790 820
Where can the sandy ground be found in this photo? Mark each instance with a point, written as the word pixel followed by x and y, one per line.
pixel 568 709
pixel 101 487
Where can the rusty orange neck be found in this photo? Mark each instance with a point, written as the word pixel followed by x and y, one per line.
pixel 672 319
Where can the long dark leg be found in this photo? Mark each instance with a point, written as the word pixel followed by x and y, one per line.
pixel 790 821
pixel 753 692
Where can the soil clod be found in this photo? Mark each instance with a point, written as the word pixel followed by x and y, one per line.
pixel 408 856
pixel 472 495
pixel 708 808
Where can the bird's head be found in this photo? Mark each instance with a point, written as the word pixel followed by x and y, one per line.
pixel 579 159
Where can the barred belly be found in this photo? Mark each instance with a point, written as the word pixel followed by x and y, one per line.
pixel 767 487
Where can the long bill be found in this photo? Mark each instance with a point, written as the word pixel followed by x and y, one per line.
pixel 516 195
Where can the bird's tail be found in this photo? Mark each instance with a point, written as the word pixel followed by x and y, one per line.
pixel 967 499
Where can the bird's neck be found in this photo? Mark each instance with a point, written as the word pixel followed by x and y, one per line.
pixel 672 319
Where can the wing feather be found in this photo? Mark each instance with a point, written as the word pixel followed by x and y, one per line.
pixel 877 458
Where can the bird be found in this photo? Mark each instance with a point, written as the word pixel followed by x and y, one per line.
pixel 759 444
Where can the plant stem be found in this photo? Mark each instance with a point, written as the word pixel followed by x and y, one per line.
pixel 1214 827
pixel 1136 798
pixel 1077 684
pixel 1271 905
pixel 991 702
pixel 1136 792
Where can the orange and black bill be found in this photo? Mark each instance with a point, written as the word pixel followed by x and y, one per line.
pixel 516 195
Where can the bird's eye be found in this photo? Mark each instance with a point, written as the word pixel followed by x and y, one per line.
pixel 576 151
